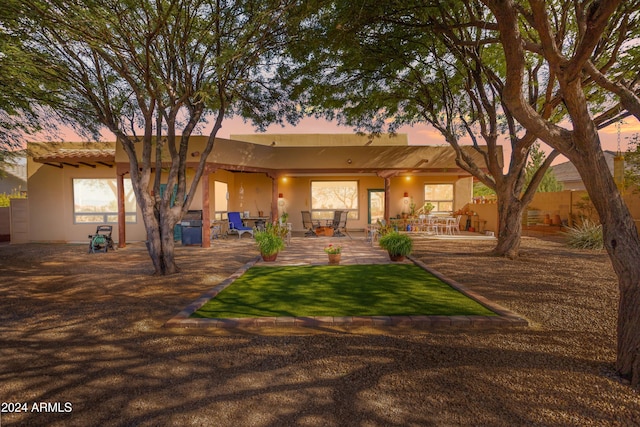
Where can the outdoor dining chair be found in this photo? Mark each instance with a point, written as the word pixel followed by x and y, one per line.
pixel 452 225
pixel 308 224
pixel 340 223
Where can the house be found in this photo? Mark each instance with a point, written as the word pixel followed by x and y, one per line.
pixel 567 174
pixel 13 177
pixel 75 186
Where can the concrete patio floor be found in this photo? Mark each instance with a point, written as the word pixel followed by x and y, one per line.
pixel 355 250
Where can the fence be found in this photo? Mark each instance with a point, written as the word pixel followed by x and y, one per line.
pixel 5 225
pixel 548 212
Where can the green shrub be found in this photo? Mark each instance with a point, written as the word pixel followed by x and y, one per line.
pixel 270 241
pixel 396 244
pixel 5 198
pixel 587 235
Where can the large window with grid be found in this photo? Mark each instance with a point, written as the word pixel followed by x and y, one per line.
pixel 439 195
pixel 95 201
pixel 330 196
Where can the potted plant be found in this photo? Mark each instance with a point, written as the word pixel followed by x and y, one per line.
pixel 284 218
pixel 334 253
pixel 270 242
pixel 428 207
pixel 397 245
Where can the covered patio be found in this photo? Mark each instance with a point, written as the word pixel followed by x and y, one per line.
pixel 261 176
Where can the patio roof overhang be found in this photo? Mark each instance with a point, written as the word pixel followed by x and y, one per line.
pixel 74 155
pixel 238 156
pixel 384 161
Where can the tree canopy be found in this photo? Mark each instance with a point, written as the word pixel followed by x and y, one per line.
pixel 152 72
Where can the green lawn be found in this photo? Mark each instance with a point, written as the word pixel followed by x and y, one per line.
pixel 350 290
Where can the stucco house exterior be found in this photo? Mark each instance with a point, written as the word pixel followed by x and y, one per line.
pixel 567 174
pixel 13 178
pixel 75 186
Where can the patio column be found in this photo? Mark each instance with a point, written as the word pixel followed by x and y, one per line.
pixel 274 196
pixel 122 233
pixel 387 198
pixel 206 204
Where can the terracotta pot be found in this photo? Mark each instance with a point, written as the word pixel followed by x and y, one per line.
pixel 334 259
pixel 396 258
pixel 269 258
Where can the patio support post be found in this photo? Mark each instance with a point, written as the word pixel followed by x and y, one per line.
pixel 387 198
pixel 274 196
pixel 122 234
pixel 206 214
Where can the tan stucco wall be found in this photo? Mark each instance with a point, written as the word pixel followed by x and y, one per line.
pixel 563 203
pixel 51 205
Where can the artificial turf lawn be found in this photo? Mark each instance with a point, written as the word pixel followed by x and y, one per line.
pixel 350 290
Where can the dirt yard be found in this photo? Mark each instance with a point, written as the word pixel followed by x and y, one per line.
pixel 83 334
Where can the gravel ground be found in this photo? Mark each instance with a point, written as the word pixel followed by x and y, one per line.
pixel 87 330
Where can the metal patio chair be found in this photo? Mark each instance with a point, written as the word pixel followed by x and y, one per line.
pixel 340 223
pixel 308 224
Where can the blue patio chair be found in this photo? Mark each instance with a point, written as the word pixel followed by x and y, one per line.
pixel 236 225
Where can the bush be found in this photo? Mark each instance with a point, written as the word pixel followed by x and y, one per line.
pixel 5 199
pixel 270 241
pixel 396 244
pixel 588 235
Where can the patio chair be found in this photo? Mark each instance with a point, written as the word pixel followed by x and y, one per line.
pixel 101 241
pixel 237 226
pixel 308 224
pixel 452 226
pixel 340 223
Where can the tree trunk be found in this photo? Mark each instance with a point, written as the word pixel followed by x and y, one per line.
pixel 623 246
pixel 509 226
pixel 160 243
pixel 168 246
pixel 581 145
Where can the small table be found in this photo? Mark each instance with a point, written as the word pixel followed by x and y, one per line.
pixel 324 231
pixel 259 222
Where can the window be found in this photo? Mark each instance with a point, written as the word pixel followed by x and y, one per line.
pixel 95 201
pixel 221 200
pixel 330 196
pixel 440 195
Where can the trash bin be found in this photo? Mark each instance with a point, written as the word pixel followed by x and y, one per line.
pixel 192 228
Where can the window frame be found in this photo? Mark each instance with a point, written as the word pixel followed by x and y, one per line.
pixel 317 213
pixel 437 202
pixel 131 217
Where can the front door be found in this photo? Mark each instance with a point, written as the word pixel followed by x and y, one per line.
pixel 376 205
